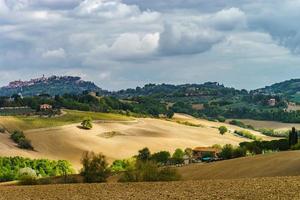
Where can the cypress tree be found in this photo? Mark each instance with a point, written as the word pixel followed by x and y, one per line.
pixel 293 137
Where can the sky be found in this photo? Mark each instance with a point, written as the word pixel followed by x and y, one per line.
pixel 127 43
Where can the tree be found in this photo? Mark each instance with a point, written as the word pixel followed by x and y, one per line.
pixel 170 114
pixel 144 154
pixel 178 156
pixel 87 123
pixel 227 151
pixel 95 167
pixel 188 152
pixel 293 137
pixel 223 130
pixel 161 157
pixel 239 152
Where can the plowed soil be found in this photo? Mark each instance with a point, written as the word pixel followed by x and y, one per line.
pixel 260 188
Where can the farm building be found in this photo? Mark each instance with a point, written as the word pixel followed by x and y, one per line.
pixel 200 152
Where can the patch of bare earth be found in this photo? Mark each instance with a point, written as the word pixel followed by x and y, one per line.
pixel 262 188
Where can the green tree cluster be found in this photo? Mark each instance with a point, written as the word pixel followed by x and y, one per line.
pixel 10 167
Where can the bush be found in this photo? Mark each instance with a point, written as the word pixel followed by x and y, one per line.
pixel 2 130
pixel 16 136
pixel 241 124
pixel 246 134
pixel 170 114
pixel 227 151
pixel 144 154
pixel 257 147
pixel 296 147
pixel 87 123
pixel 177 156
pixel 149 171
pixel 10 167
pixel 272 133
pixel 223 130
pixel 25 144
pixel 95 167
pixel 239 152
pixel 19 138
pixel 123 165
pixel 221 119
pixel 27 176
pixel 161 157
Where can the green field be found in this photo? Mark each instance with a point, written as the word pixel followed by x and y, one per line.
pixel 23 123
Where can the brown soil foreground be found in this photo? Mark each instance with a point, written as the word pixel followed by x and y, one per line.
pixel 261 188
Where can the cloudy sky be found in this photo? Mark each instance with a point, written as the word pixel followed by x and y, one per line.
pixel 125 43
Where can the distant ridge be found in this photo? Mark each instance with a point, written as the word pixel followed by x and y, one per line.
pixel 53 85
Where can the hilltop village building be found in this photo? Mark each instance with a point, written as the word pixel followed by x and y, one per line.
pixel 45 107
pixel 272 102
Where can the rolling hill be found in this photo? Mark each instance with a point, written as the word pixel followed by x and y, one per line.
pixel 267 165
pixel 120 139
pixel 54 85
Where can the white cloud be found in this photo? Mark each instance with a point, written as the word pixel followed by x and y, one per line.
pixel 187 39
pixel 131 41
pixel 228 19
pixel 113 9
pixel 56 53
pixel 128 46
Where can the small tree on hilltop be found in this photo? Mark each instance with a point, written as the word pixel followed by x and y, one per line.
pixel 223 130
pixel 87 123
pixel 95 167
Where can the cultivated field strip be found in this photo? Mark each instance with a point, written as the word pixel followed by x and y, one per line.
pixel 262 188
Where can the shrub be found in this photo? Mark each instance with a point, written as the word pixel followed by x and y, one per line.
pixel 87 123
pixel 10 167
pixel 25 144
pixel 296 147
pixel 170 114
pixel 19 138
pixel 257 147
pixel 217 146
pixel 123 165
pixel 177 156
pixel 161 157
pixel 273 133
pixel 16 136
pixel 246 134
pixel 223 130
pixel 221 119
pixel 169 174
pixel 2 130
pixel 239 152
pixel 227 152
pixel 144 154
pixel 95 167
pixel 27 176
pixel 241 124
pixel 149 171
